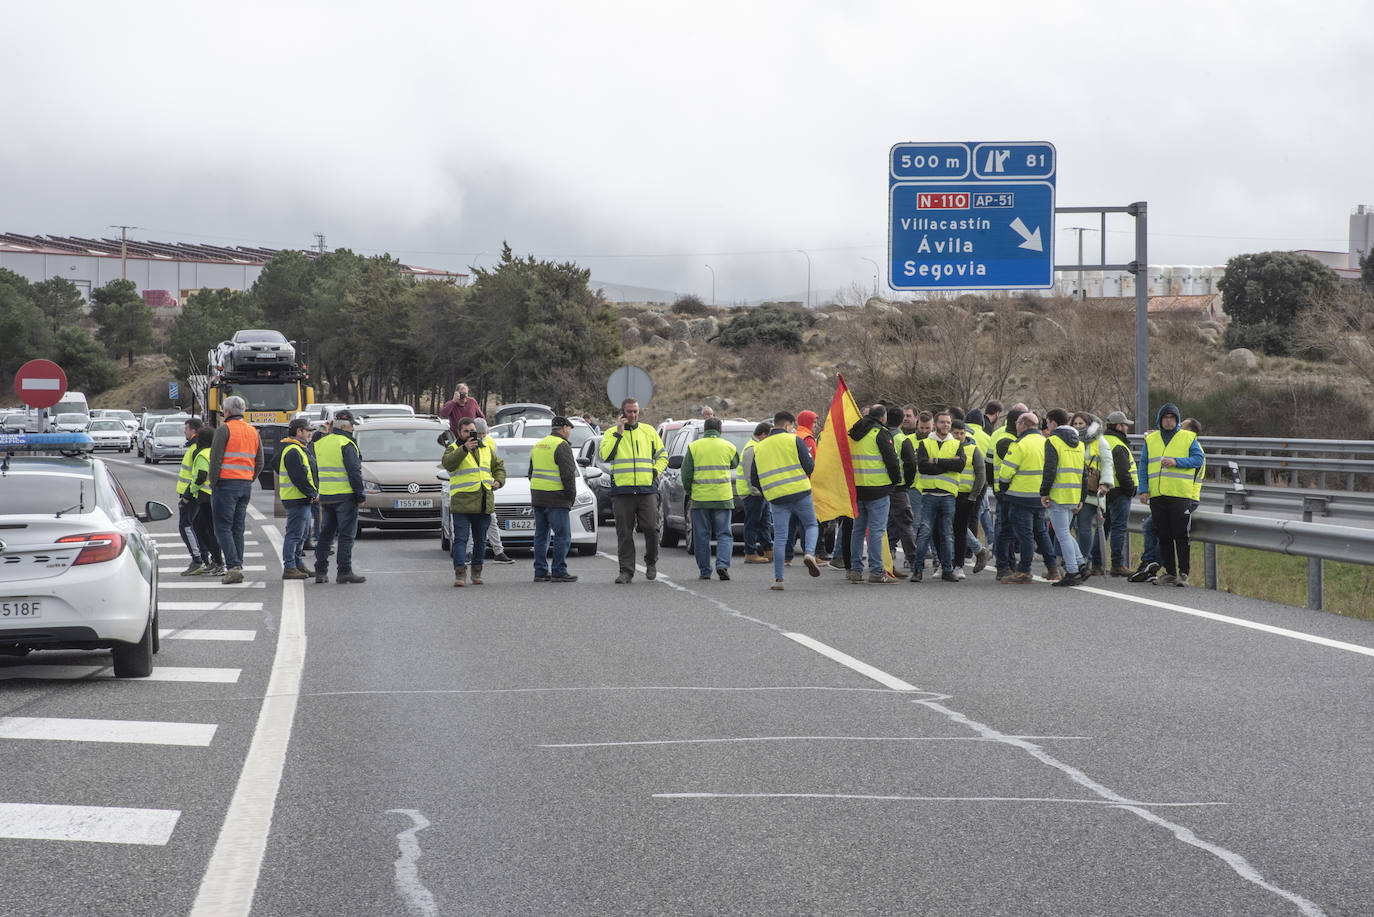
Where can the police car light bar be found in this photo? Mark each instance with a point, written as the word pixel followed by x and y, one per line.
pixel 13 443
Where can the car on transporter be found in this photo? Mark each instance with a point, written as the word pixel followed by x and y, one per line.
pixel 78 570
pixel 514 516
pixel 401 456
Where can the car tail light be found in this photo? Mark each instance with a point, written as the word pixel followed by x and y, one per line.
pixel 99 547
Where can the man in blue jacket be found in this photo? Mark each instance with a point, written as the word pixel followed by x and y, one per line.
pixel 1169 462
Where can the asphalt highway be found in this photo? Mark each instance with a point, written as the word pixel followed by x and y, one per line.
pixel 684 747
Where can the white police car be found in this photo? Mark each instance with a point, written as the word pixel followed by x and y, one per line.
pixel 77 568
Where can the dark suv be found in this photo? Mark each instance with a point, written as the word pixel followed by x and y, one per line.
pixel 674 516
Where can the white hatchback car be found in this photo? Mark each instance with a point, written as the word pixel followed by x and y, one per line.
pixel 514 512
pixel 110 433
pixel 77 568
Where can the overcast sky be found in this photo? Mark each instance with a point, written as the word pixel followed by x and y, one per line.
pixel 648 140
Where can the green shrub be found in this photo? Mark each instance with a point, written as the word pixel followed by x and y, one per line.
pixel 769 325
pixel 690 305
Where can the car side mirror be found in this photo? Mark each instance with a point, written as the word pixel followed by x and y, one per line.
pixel 675 461
pixel 584 460
pixel 591 474
pixel 445 439
pixel 154 511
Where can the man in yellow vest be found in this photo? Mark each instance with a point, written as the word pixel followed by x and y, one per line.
pixel 186 502
pixel 758 535
pixel 1019 482
pixel 876 469
pixel 235 463
pixel 340 469
pixel 297 486
pixel 901 524
pixel 1000 439
pixel 1123 491
pixel 553 490
pixel 1171 458
pixel 782 471
pixel 939 460
pixel 706 475
pixel 636 458
pixel 1061 493
pixel 475 473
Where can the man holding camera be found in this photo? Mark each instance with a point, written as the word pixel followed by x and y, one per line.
pixel 476 472
pixel 636 458
pixel 459 408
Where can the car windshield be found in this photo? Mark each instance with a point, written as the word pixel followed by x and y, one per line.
pixel 121 415
pixel 264 396
pixel 108 425
pixel 171 430
pixel 738 438
pixel 377 445
pixel 23 491
pixel 541 428
pixel 256 337
pixel 517 458
pixel 385 410
pixel 71 418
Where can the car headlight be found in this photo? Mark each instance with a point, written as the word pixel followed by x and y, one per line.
pixel 584 497
pixel 371 488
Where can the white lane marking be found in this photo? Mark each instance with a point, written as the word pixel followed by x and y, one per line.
pixel 165 584
pixel 160 673
pixel 174 538
pixel 209 606
pixel 771 739
pixel 248 568
pixel 417 898
pixel 1234 860
pixel 850 662
pixel 95 824
pixel 238 635
pixel 161 556
pixel 226 889
pixel 255 514
pixel 136 732
pixel 1239 622
pixel 876 798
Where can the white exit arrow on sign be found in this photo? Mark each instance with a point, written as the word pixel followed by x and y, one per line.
pixel 1032 238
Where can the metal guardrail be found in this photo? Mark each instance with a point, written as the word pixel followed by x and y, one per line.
pixel 1317 541
pixel 1340 505
pixel 1271 445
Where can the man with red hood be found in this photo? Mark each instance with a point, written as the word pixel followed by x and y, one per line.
pixel 806 424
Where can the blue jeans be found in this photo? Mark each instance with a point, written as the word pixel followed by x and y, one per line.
pixel 550 522
pixel 756 537
pixel 475 526
pixel 871 521
pixel 229 503
pixel 985 518
pixel 1085 534
pixel 1118 512
pixel 338 518
pixel 937 509
pixel 1061 517
pixel 708 523
pixel 804 511
pixel 297 527
pixel 1003 540
pixel 1020 523
pixel 1149 553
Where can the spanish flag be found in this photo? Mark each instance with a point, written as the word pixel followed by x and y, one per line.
pixel 832 483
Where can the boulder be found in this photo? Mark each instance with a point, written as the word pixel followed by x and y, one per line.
pixel 680 330
pixel 658 341
pixel 703 329
pixel 682 350
pixel 1242 359
pixel 630 338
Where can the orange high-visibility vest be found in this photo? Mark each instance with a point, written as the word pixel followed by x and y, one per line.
pixel 240 453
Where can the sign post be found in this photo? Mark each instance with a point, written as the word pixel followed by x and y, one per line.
pixel 971 216
pixel 40 383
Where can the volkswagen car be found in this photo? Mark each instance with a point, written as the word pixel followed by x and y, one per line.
pixel 514 511
pixel 401 456
pixel 166 442
pixel 110 433
pixel 77 568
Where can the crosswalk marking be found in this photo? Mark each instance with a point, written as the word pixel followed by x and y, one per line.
pixel 209 606
pixel 160 673
pixel 168 584
pixel 176 571
pixel 137 732
pixel 94 824
pixel 161 556
pixel 174 634
pixel 174 538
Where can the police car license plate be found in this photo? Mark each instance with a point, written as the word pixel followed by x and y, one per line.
pixel 512 524
pixel 20 609
pixel 421 503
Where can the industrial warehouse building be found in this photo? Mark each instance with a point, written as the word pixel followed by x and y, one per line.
pixel 164 273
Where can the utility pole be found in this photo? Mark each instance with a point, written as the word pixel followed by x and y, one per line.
pixel 1082 294
pixel 808 275
pixel 319 243
pixel 123 248
pixel 713 283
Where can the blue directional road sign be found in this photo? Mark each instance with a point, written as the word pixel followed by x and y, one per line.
pixel 971 216
pixel 172 391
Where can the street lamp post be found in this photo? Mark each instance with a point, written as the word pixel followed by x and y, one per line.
pixel 713 283
pixel 876 271
pixel 808 275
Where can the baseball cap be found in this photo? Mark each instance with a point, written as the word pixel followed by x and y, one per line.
pixel 1116 417
pixel 346 416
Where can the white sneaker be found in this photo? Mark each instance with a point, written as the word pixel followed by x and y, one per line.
pixel 959 572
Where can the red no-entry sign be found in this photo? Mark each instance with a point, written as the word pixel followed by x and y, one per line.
pixel 40 383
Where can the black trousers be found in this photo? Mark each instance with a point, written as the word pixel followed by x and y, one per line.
pixel 964 512
pixel 899 526
pixel 1172 517
pixel 205 534
pixel 630 509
